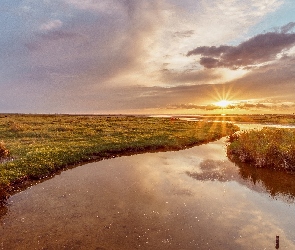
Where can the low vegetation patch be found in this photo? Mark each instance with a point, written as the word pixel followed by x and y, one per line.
pixel 269 147
pixel 4 153
pixel 41 145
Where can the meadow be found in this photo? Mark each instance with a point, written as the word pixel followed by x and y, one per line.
pixel 270 147
pixel 38 146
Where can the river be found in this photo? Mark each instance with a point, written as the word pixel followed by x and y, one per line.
pixel 189 199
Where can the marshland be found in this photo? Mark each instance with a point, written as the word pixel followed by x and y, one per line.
pixel 36 146
pixel 129 182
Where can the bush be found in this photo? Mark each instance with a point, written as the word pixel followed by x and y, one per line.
pixel 233 137
pixel 3 151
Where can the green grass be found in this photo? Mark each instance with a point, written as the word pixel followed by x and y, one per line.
pixel 38 146
pixel 269 147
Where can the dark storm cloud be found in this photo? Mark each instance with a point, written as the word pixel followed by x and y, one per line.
pixel 259 49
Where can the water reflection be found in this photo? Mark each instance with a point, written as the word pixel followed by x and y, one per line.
pixel 277 184
pixel 3 210
pixel 190 199
pixel 211 170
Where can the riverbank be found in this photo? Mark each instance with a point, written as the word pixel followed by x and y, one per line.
pixel 40 146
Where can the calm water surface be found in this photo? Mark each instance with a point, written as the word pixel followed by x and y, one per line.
pixel 190 199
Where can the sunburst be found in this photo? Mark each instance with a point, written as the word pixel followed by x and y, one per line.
pixel 223 103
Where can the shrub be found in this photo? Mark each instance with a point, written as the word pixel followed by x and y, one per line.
pixel 233 137
pixel 3 151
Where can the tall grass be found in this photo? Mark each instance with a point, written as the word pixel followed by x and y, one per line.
pixel 40 145
pixel 269 147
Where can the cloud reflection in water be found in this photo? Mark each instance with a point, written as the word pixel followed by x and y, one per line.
pixel 276 183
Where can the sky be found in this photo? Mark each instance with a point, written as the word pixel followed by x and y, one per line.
pixel 147 56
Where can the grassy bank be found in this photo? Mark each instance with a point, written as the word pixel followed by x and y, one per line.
pixel 269 147
pixel 37 146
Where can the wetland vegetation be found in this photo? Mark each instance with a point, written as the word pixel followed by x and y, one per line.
pixel 36 146
pixel 268 147
pixel 33 147
pixel 165 200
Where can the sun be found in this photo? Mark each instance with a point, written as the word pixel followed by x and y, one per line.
pixel 223 103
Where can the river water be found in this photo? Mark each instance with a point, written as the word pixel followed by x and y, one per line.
pixel 190 199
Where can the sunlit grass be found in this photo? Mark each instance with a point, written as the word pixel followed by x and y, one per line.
pixel 269 147
pixel 40 145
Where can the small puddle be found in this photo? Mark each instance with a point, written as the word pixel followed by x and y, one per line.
pixel 189 199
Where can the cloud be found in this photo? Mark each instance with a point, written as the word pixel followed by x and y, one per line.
pixel 189 76
pixel 237 107
pixel 252 105
pixel 57 35
pixel 124 54
pixel 271 87
pixel 288 27
pixel 93 5
pixel 208 107
pixel 186 33
pixel 50 25
pixel 190 106
pixel 96 40
pixel 257 50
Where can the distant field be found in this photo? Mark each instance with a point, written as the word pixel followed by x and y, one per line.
pixel 37 146
pixel 262 119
